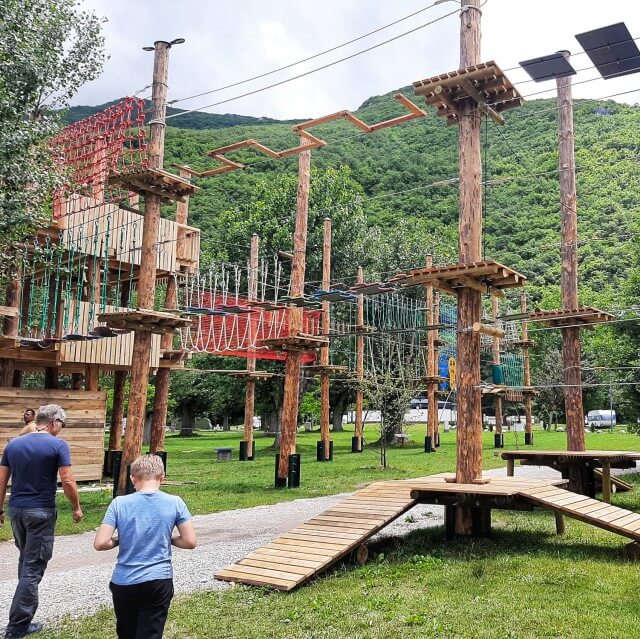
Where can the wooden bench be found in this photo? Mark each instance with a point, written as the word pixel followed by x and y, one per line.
pixel 401 438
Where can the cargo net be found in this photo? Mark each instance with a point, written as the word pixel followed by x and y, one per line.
pixel 93 151
pixel 226 321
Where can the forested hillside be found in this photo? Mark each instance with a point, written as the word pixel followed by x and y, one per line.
pixel 379 189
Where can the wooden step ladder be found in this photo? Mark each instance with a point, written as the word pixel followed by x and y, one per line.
pixel 317 544
pixel 591 511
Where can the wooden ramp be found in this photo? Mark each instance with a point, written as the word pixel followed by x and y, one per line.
pixel 617 484
pixel 312 547
pixel 591 511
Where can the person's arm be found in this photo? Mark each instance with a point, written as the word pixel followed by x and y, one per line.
pixel 5 472
pixel 104 538
pixel 70 490
pixel 186 537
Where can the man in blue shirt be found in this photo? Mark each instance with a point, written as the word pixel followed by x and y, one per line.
pixel 142 581
pixel 33 462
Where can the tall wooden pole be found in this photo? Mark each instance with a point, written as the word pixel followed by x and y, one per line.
pixel 436 337
pixel 117 413
pixel 469 432
pixel 528 419
pixel 146 283
pixel 359 426
pixel 292 367
pixel 495 352
pixel 163 376
pixel 250 390
pixel 324 351
pixel 432 385
pixel 569 283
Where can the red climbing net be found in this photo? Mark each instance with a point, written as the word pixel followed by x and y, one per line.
pixel 241 334
pixel 91 150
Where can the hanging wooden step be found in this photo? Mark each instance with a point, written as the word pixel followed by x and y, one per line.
pixel 483 84
pixel 295 343
pixel 145 320
pixel 259 375
pixel 167 186
pixel 583 315
pixel 328 369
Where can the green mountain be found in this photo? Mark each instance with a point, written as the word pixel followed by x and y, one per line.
pixel 395 168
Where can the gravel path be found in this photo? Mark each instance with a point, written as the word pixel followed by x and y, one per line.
pixel 76 581
pixel 77 577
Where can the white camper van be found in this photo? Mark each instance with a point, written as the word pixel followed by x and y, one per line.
pixel 601 419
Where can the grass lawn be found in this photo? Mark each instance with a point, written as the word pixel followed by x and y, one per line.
pixel 224 485
pixel 525 583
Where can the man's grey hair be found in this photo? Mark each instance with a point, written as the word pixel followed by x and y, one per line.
pixel 48 413
pixel 148 467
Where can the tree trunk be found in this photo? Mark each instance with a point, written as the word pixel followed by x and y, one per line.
pixel 188 421
pixel 337 413
pixel 225 422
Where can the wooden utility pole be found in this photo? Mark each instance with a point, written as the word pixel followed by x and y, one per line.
pixel 436 340
pixel 569 251
pixel 495 352
pixel 432 384
pixel 248 454
pixel 163 376
pixel 293 364
pixel 469 431
pixel 140 362
pixel 528 419
pixel 117 412
pixel 356 442
pixel 324 351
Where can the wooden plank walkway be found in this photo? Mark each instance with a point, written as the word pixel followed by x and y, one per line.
pixel 305 551
pixel 591 511
pixel 312 547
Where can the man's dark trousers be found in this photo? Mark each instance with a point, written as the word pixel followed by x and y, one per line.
pixel 33 535
pixel 142 609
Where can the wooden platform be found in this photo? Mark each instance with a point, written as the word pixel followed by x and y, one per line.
pixel 485 84
pixel 584 315
pixel 325 539
pixel 329 369
pixel 167 186
pixel 487 276
pixel 145 320
pixel 312 547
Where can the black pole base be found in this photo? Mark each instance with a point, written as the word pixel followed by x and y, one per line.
pixel 356 445
pixel 110 457
pixel 292 480
pixel 163 456
pixel 130 488
pixel 428 447
pixel 320 451
pixel 243 456
pixel 437 440
pixel 528 439
pixel 498 440
pixel 279 482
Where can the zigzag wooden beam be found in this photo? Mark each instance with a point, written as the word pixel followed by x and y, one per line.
pixel 308 140
pixel 414 112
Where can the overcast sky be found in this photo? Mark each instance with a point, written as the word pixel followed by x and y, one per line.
pixel 230 41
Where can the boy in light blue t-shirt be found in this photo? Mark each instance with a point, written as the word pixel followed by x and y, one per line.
pixel 142 581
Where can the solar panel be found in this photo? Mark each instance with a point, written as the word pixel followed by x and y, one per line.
pixel 612 50
pixel 548 67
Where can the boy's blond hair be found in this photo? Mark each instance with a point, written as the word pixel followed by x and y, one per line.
pixel 148 467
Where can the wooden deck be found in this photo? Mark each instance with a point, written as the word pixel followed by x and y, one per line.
pixel 309 549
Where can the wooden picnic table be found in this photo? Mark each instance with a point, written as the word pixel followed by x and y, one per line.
pixel 579 467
